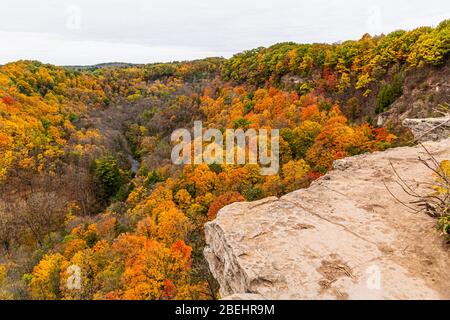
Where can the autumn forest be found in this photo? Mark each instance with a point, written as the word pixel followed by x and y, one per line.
pixel 86 177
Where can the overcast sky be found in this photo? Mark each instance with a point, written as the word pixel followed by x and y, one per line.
pixel 81 32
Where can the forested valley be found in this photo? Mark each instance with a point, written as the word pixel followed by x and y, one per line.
pixel 86 177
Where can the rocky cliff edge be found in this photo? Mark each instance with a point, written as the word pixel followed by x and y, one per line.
pixel 345 237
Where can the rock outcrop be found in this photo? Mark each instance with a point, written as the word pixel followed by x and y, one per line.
pixel 430 129
pixel 345 237
pixel 423 90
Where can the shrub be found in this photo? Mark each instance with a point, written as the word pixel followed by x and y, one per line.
pixel 153 178
pixel 241 123
pixel 389 93
pixel 437 203
pixel 442 192
pixel 109 176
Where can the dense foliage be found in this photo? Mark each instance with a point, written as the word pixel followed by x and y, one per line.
pixel 68 139
pixel 356 63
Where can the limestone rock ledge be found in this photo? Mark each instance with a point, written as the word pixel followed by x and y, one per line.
pixel 429 129
pixel 345 237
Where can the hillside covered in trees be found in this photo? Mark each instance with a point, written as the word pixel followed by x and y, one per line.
pixel 85 172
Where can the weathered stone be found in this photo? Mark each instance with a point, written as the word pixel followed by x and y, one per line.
pixel 335 239
pixel 244 296
pixel 430 129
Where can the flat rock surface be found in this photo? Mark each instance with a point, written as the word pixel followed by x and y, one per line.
pixel 345 237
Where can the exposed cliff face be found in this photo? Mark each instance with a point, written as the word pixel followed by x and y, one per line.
pixel 423 90
pixel 338 239
pixel 429 129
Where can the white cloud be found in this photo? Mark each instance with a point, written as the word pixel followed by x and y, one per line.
pixel 88 31
pixel 50 48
